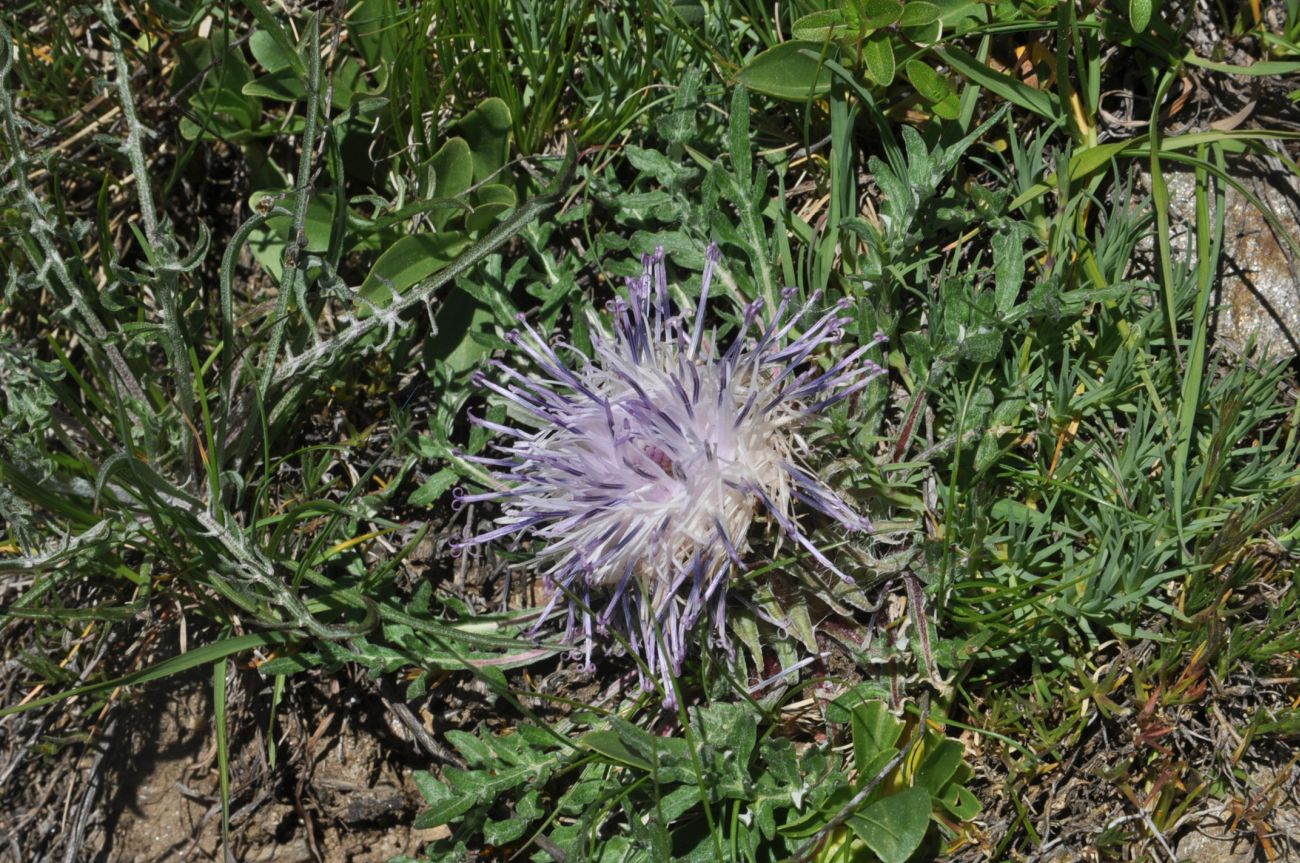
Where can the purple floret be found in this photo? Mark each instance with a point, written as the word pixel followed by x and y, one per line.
pixel 639 469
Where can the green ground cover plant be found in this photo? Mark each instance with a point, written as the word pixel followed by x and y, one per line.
pixel 256 254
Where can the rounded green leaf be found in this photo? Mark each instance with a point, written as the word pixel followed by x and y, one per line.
pixel 1139 14
pixel 269 52
pixel 878 55
pixel 881 13
pixel 958 800
pixel 453 171
pixel 827 24
pixel 894 826
pixel 932 86
pixel 918 13
pixel 489 202
pixel 487 131
pixel 407 262
pixel 789 71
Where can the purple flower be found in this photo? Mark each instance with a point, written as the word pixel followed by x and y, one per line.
pixel 640 469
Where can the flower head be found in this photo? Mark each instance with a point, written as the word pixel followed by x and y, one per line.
pixel 641 468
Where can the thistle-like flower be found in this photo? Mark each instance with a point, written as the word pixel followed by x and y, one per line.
pixel 640 469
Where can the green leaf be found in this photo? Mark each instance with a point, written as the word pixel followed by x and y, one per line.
pixel 611 746
pixel 272 54
pixel 268 24
pixel 1004 419
pixel 374 27
pixel 194 658
pixel 948 108
pixel 791 71
pixel 1017 92
pixel 487 131
pixel 880 13
pixel 1139 14
pixel 878 55
pixel 505 831
pixel 932 86
pixel 741 156
pixel 982 345
pixel 406 262
pixel 677 803
pixel 1008 266
pixel 486 785
pixel 433 488
pixel 453 171
pixel 960 16
pixel 939 764
pixel 462 321
pixel 826 25
pixel 958 800
pixel 283 86
pixel 268 240
pixel 291 664
pixel 657 165
pixel 489 202
pixel 874 730
pixel 679 125
pixel 476 752
pixel 918 13
pixel 444 803
pixel 895 826
pixel 242 110
pixel 733 726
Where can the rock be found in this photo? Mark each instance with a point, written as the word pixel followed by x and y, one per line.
pixel 1258 294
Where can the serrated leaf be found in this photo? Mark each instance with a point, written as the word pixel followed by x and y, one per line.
pixel 476 752
pixel 680 124
pixel 781 759
pixel 983 345
pixel 917 347
pixel 1008 266
pixel 791 71
pixel 658 165
pixel 894 826
pixel 1003 421
pixel 677 803
pixel 878 56
pixel 444 803
pixel 290 664
pixel 504 831
pixel 530 806
pixel 485 786
pixel 433 488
